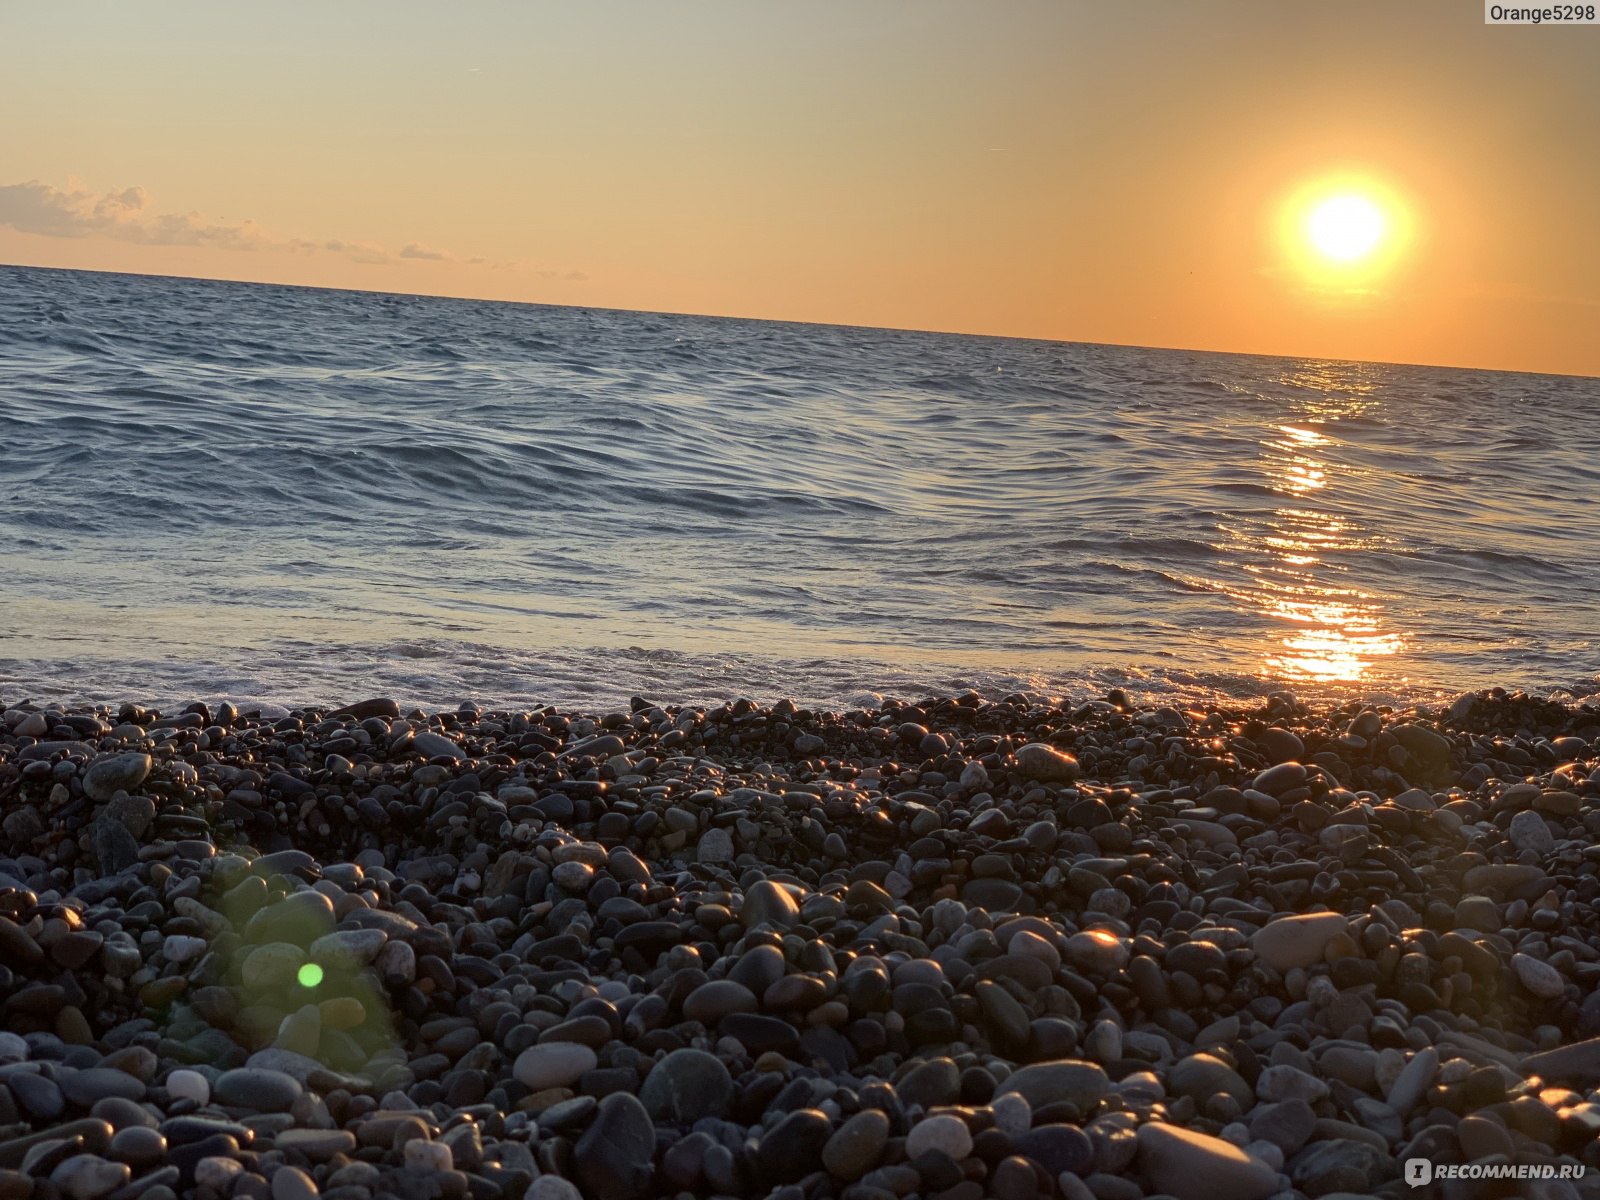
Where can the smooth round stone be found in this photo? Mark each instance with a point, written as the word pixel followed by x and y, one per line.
pixel 857 1145
pixel 575 877
pixel 715 846
pixel 1035 946
pixel 113 773
pixel 436 745
pixel 257 1089
pixel 122 1114
pixel 217 1172
pixel 271 966
pixel 931 1084
pixel 1046 764
pixel 794 992
pixel 1280 745
pixel 1098 951
pixel 347 950
pixel 291 1183
pixel 1013 1115
pixel 553 1064
pixel 86 1087
pixel 1204 1075
pixel 1296 941
pixel 1480 1137
pixel 944 1133
pixel 685 1086
pixel 1083 1084
pixel 1539 977
pixel 1530 831
pixel 37 1096
pixel 769 903
pixel 181 948
pixel 992 895
pixel 138 1146
pixel 1059 1149
pixel 1015 1179
pixel 87 1177
pixel 297 919
pixel 316 1143
pixel 759 968
pixel 1197 1166
pixel 712 1001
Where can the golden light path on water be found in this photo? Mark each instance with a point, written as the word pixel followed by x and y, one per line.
pixel 1333 633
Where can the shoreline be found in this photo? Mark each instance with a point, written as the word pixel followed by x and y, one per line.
pixel 963 947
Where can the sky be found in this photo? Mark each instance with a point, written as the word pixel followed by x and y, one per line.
pixel 1126 173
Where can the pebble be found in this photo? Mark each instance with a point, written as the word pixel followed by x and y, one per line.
pixel 1540 978
pixel 1299 940
pixel 945 1134
pixel 553 1065
pixel 1196 1166
pixel 959 947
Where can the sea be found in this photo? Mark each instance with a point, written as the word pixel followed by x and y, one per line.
pixel 287 496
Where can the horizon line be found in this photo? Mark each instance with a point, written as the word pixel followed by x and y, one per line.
pixel 312 287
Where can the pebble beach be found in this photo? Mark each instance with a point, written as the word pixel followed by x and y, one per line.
pixel 958 948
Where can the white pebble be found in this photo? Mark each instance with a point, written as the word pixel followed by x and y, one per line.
pixel 1013 1115
pixel 179 948
pixel 189 1085
pixel 422 1155
pixel 944 1133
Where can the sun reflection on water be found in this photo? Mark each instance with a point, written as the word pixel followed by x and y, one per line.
pixel 1292 558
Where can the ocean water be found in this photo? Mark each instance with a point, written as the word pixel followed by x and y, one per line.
pixel 278 494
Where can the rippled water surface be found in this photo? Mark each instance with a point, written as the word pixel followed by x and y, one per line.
pixel 214 489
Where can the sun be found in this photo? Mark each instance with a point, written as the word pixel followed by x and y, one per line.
pixel 1344 233
pixel 1346 228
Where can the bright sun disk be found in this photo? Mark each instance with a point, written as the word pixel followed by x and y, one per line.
pixel 1345 228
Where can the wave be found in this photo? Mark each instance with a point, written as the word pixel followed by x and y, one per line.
pixel 239 467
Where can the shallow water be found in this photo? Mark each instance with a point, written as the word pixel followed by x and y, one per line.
pixel 213 489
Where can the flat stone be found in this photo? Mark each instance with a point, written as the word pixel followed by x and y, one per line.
pixel 1084 1084
pixel 85 1087
pixel 553 1065
pixel 257 1089
pixel 436 745
pixel 1296 941
pixel 1578 1063
pixel 316 1143
pixel 1413 1082
pixel 88 1177
pixel 1196 1166
pixel 1537 976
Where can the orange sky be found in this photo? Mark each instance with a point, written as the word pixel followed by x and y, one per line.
pixel 1111 173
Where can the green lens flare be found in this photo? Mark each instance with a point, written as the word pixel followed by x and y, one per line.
pixel 310 975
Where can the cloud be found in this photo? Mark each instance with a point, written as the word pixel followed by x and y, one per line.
pixel 417 250
pixel 127 215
